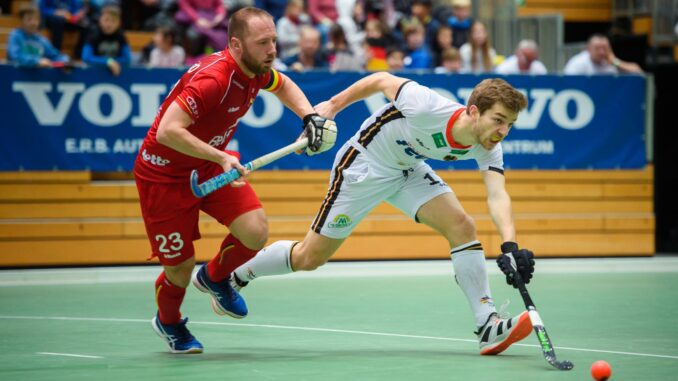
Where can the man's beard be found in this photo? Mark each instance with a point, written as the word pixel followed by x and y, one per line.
pixel 252 65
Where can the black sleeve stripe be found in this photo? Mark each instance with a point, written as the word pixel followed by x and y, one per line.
pixel 495 169
pixel 400 88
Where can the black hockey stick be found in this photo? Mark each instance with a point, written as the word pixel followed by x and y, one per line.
pixel 544 340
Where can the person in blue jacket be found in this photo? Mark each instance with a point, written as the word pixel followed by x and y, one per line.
pixel 27 47
pixel 107 45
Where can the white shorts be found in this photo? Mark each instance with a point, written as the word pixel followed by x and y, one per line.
pixel 358 185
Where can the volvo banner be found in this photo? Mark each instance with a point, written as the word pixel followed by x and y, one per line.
pixel 89 119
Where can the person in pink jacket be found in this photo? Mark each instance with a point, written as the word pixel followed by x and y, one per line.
pixel 205 21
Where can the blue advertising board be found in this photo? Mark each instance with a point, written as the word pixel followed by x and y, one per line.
pixel 89 119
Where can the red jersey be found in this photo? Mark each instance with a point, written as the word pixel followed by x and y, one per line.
pixel 216 93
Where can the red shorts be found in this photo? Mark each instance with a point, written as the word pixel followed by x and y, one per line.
pixel 171 214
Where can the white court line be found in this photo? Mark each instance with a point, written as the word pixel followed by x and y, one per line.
pixel 312 329
pixel 366 269
pixel 68 355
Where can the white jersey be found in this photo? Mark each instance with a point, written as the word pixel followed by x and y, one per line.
pixel 417 126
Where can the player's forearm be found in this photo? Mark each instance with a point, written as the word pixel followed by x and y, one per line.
pixel 179 139
pixel 363 88
pixel 500 211
pixel 293 98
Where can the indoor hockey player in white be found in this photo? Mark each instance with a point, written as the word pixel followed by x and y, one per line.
pixel 385 161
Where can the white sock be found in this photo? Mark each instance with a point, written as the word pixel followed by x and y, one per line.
pixel 271 260
pixel 468 261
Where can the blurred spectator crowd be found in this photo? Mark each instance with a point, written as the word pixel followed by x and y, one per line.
pixel 339 35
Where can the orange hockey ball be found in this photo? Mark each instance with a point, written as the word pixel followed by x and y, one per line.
pixel 601 371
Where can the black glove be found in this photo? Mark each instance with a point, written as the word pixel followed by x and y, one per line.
pixel 524 262
pixel 321 133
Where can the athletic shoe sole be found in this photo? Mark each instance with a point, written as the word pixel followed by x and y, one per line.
pixel 519 332
pixel 215 304
pixel 156 328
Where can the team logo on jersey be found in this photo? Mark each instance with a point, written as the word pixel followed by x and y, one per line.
pixel 192 105
pixel 233 109
pixel 340 221
pixel 154 159
pixel 439 140
pixel 450 158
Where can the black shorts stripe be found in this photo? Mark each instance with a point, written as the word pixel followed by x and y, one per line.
pixel 373 129
pixel 495 169
pixel 400 88
pixel 333 191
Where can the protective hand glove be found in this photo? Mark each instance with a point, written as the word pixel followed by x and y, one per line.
pixel 523 262
pixel 321 133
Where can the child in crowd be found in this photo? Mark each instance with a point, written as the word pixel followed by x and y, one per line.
pixel 418 55
pixel 395 58
pixel 166 53
pixel 450 61
pixel 107 45
pixel 27 47
pixel 289 27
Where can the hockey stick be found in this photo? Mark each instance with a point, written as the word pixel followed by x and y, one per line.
pixel 546 345
pixel 221 180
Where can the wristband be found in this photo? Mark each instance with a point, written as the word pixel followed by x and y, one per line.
pixel 616 62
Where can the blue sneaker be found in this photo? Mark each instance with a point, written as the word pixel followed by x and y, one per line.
pixel 177 336
pixel 225 299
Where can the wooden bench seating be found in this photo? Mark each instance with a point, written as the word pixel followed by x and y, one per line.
pixel 65 218
pixel 571 10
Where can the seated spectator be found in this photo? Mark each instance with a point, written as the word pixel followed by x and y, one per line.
pixel 417 53
pixel 288 28
pixel 477 55
pixel 27 47
pixel 376 41
pixel 460 22
pixel 598 58
pixel 107 45
pixel 395 59
pixel 524 61
pixel 310 55
pixel 205 22
pixel 450 62
pixel 339 55
pixel 421 10
pixel 443 41
pixel 323 14
pixel 62 15
pixel 166 53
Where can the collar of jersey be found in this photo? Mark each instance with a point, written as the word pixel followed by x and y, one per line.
pixel 448 131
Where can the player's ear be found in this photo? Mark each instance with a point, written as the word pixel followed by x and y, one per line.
pixel 235 44
pixel 473 111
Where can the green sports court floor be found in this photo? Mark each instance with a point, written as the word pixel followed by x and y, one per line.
pixel 346 321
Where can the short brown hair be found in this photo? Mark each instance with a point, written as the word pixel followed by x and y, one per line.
pixel 28 9
pixel 493 90
pixel 451 54
pixel 237 23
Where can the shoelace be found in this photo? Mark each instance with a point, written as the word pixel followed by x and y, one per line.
pixel 182 332
pixel 502 313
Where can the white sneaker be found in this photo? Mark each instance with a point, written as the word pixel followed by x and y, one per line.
pixel 499 333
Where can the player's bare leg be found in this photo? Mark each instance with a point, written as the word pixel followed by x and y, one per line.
pixel 445 214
